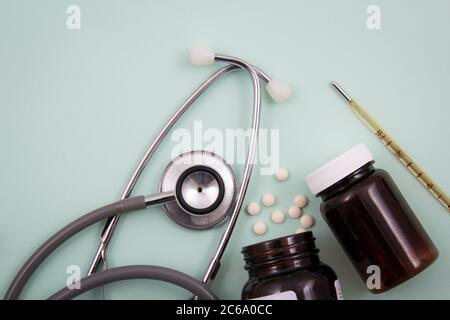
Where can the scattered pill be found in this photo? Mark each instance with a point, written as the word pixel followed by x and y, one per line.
pixel 259 228
pixel 300 201
pixel 282 174
pixel 278 216
pixel 300 230
pixel 268 200
pixel 253 208
pixel 306 221
pixel 294 212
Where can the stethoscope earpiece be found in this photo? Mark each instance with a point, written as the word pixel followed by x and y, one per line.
pixel 278 90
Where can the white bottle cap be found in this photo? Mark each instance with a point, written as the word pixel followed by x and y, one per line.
pixel 338 168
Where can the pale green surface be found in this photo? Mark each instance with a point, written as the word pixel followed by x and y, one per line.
pixel 79 107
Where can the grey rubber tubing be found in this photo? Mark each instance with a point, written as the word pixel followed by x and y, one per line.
pixel 108 276
pixel 137 272
pixel 24 274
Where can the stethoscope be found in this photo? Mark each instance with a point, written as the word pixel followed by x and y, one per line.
pixel 198 190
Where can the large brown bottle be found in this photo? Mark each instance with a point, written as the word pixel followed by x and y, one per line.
pixel 371 220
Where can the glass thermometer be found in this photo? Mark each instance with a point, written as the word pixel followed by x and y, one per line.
pixel 395 149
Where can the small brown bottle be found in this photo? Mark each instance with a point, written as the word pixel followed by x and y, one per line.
pixel 288 268
pixel 371 219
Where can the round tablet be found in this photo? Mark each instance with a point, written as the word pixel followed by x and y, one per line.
pixel 294 212
pixel 300 201
pixel 259 228
pixel 300 230
pixel 282 174
pixel 278 216
pixel 268 200
pixel 253 208
pixel 306 221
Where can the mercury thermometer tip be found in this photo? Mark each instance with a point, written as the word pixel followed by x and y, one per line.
pixel 341 91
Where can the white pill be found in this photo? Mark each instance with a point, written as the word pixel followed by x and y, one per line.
pixel 268 200
pixel 253 208
pixel 300 201
pixel 294 212
pixel 306 221
pixel 278 216
pixel 259 228
pixel 300 230
pixel 282 174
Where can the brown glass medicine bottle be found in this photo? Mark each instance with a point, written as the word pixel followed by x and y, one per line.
pixel 288 268
pixel 371 220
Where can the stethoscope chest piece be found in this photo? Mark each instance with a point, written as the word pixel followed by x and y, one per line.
pixel 205 188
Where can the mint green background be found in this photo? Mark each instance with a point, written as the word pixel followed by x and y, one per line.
pixel 79 107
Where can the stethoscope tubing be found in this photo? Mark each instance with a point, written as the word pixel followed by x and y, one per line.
pixel 137 272
pixel 111 275
pixel 36 259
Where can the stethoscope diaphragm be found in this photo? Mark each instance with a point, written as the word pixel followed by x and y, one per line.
pixel 205 188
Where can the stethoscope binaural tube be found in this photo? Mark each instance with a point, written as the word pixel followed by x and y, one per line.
pixel 214 264
pixel 200 56
pixel 112 222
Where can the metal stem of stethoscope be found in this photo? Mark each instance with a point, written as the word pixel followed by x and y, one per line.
pixel 235 64
pixel 112 222
pixel 215 262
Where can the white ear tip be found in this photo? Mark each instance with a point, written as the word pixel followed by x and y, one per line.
pixel 202 55
pixel 279 90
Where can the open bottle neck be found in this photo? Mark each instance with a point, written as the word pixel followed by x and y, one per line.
pixel 283 265
pixel 281 255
